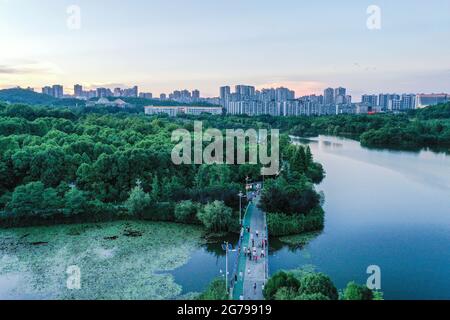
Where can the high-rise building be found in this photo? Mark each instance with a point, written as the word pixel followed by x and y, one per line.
pixel 383 100
pixel 58 91
pixel 395 104
pixel 284 94
pixel 225 92
pixel 47 90
pixel 328 96
pixel 118 92
pixel 163 96
pixel 408 101
pixel 245 92
pixel 146 95
pixel 339 95
pixel 78 90
pixel 103 93
pixel 370 100
pixel 196 94
pixel 425 100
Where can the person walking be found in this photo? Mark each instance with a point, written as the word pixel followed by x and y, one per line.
pixel 254 288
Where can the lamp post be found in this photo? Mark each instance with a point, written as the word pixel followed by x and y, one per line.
pixel 227 247
pixel 241 195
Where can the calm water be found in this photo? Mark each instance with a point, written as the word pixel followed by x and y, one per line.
pixel 385 208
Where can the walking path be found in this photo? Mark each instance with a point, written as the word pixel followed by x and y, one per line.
pixel 252 272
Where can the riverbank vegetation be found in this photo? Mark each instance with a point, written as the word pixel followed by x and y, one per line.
pixel 216 291
pixel 292 204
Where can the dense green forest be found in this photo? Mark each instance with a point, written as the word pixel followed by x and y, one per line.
pixel 57 165
pixel 76 165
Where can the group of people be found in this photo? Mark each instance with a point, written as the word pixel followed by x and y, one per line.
pixel 256 243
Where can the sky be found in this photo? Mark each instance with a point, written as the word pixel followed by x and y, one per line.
pixel 163 45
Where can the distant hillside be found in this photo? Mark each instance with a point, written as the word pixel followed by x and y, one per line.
pixel 25 96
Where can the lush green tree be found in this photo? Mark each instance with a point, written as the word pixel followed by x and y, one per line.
pixel 317 283
pixel 33 199
pixel 354 291
pixel 281 196
pixel 312 297
pixel 300 285
pixel 216 216
pixel 138 201
pixel 287 282
pixel 76 202
pixel 186 211
pixel 215 291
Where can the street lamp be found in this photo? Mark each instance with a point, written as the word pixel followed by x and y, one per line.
pixel 240 195
pixel 227 247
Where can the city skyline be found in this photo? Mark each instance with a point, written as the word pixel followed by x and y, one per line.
pixel 291 44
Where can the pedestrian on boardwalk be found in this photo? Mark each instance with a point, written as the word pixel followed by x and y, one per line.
pixel 254 287
pixel 257 233
pixel 248 271
pixel 262 254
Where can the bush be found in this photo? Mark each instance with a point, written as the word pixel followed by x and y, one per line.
pixel 293 197
pixel 300 286
pixel 138 202
pixel 216 217
pixel 317 283
pixel 186 212
pixel 280 224
pixel 354 291
pixel 215 291
pixel 281 280
pixel 161 211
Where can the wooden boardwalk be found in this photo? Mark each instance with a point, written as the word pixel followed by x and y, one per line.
pixel 252 273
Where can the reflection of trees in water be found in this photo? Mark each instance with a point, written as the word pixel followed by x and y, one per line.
pixel 213 245
pixel 277 244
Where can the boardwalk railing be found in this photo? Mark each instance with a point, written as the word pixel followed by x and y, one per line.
pixel 267 246
pixel 237 287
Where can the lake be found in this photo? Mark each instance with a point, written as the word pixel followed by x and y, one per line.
pixel 384 208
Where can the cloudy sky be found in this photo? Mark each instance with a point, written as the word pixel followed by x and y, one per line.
pixel 162 45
